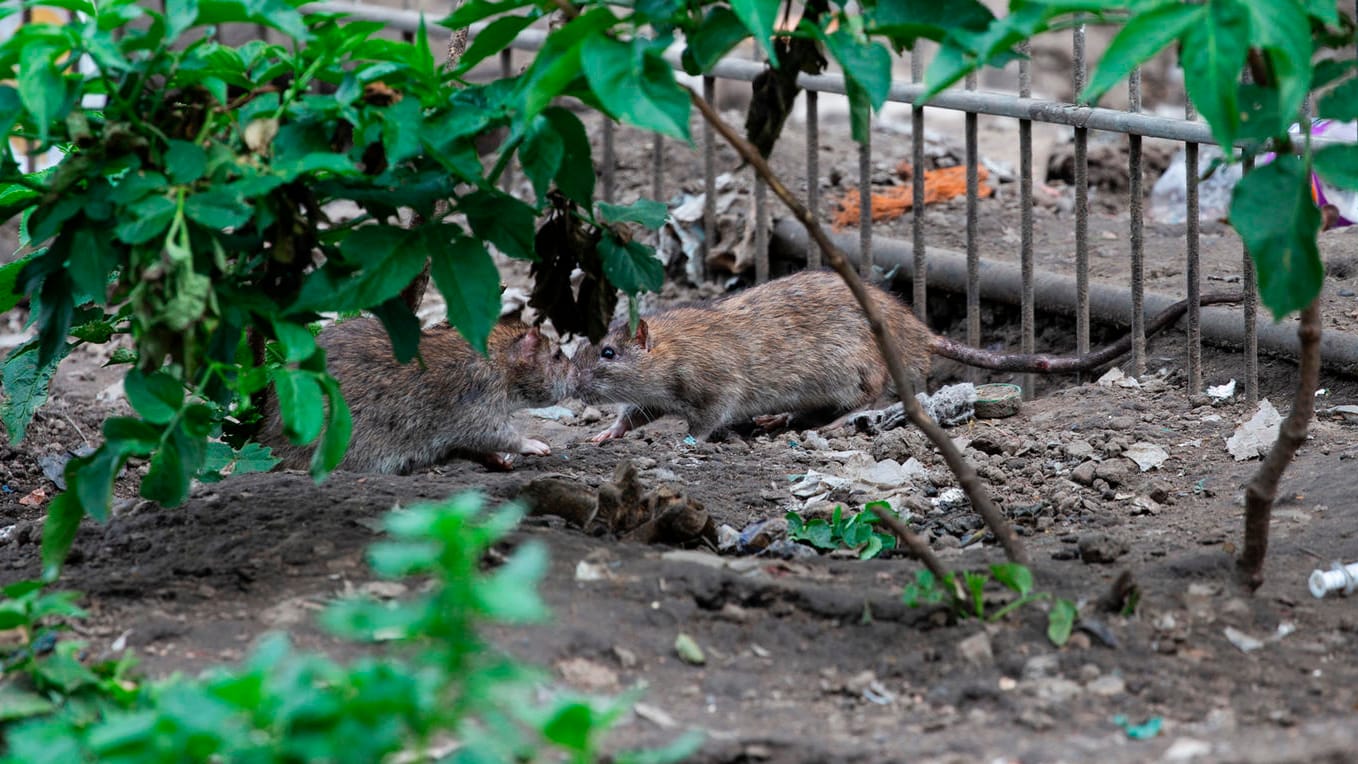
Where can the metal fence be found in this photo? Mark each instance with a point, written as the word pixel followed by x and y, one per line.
pixel 1026 110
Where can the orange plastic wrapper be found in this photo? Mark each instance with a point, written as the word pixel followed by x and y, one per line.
pixel 939 185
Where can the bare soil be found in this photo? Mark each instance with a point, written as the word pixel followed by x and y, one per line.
pixel 816 658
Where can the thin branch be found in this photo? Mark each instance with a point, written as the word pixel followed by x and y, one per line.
pixel 886 344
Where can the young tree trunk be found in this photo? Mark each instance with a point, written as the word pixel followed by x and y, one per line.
pixel 1263 487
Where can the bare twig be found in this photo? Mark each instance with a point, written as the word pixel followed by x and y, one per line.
pixel 905 387
pixel 918 547
pixel 1263 487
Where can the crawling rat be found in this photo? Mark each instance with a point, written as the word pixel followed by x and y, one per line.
pixel 407 417
pixel 741 356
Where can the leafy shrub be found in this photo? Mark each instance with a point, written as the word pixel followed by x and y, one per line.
pixel 969 601
pixel 435 687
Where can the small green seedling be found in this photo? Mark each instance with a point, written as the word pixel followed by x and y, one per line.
pixel 969 602
pixel 855 532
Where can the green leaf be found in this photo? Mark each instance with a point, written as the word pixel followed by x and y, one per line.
pixel 17 703
pixel 9 275
pixel 758 16
pixel 217 207
pixel 502 220
pixel 492 39
pixel 179 16
pixel 390 258
pixel 1016 577
pixel 41 87
pixel 92 479
pixel 254 457
pixel 403 328
pixel 860 110
pixel 401 129
pixel 173 467
pixel 470 283
pixel 1272 210
pixel 571 727
pixel 297 340
pixel 146 219
pixel 470 12
pixel 510 595
pixel 1285 33
pixel 25 387
pixel 1061 621
pixel 720 31
pixel 1213 54
pixel 635 85
pixel 649 213
pixel 575 177
pixel 15 198
pixel 1342 102
pixel 58 532
pixel 338 431
pixel 630 266
pixel 541 154
pixel 1145 34
pixel 1324 10
pixel 1338 165
pixel 864 62
pixel 184 161
pixel 9 114
pixel 299 403
pixel 905 21
pixel 873 548
pixel 91 261
pixel 133 435
pixel 156 396
pixel 821 534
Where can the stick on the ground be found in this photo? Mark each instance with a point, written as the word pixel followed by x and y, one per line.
pixel 1263 487
pixel 905 388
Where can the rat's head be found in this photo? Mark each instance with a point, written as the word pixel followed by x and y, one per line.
pixel 607 372
pixel 534 370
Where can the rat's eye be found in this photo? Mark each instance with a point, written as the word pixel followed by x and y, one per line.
pixel 608 353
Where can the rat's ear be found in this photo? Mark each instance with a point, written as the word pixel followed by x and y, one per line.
pixel 642 336
pixel 528 344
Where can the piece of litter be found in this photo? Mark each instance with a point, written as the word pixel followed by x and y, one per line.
pixel 1147 456
pixel 951 404
pixel 1221 392
pixel 1256 436
pixel 1115 377
pixel 589 571
pixel 689 440
pixel 654 715
pixel 1241 640
pixel 35 498
pixel 554 413
pixel 1145 731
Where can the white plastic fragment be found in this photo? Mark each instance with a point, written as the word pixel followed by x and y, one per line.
pixel 1114 376
pixel 1255 437
pixel 1221 392
pixel 1147 456
pixel 1339 578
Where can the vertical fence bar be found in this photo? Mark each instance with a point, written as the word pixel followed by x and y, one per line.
pixel 813 169
pixel 865 207
pixel 1251 315
pixel 1027 321
pixel 610 161
pixel 709 178
pixel 1191 261
pixel 921 282
pixel 506 71
pixel 1081 206
pixel 1134 198
pixel 658 168
pixel 973 244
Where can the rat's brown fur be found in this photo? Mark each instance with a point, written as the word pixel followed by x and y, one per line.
pixel 407 417
pixel 798 344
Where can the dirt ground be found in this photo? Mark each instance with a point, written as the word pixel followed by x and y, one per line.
pixel 816 658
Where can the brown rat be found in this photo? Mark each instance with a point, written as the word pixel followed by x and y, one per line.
pixel 798 345
pixel 407 417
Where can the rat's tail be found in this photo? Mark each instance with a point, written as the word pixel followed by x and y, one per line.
pixel 1043 363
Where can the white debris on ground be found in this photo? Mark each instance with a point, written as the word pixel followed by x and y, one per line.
pixel 1256 436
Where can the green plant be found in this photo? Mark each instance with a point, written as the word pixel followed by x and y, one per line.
pixel 969 601
pixel 434 680
pixel 855 532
